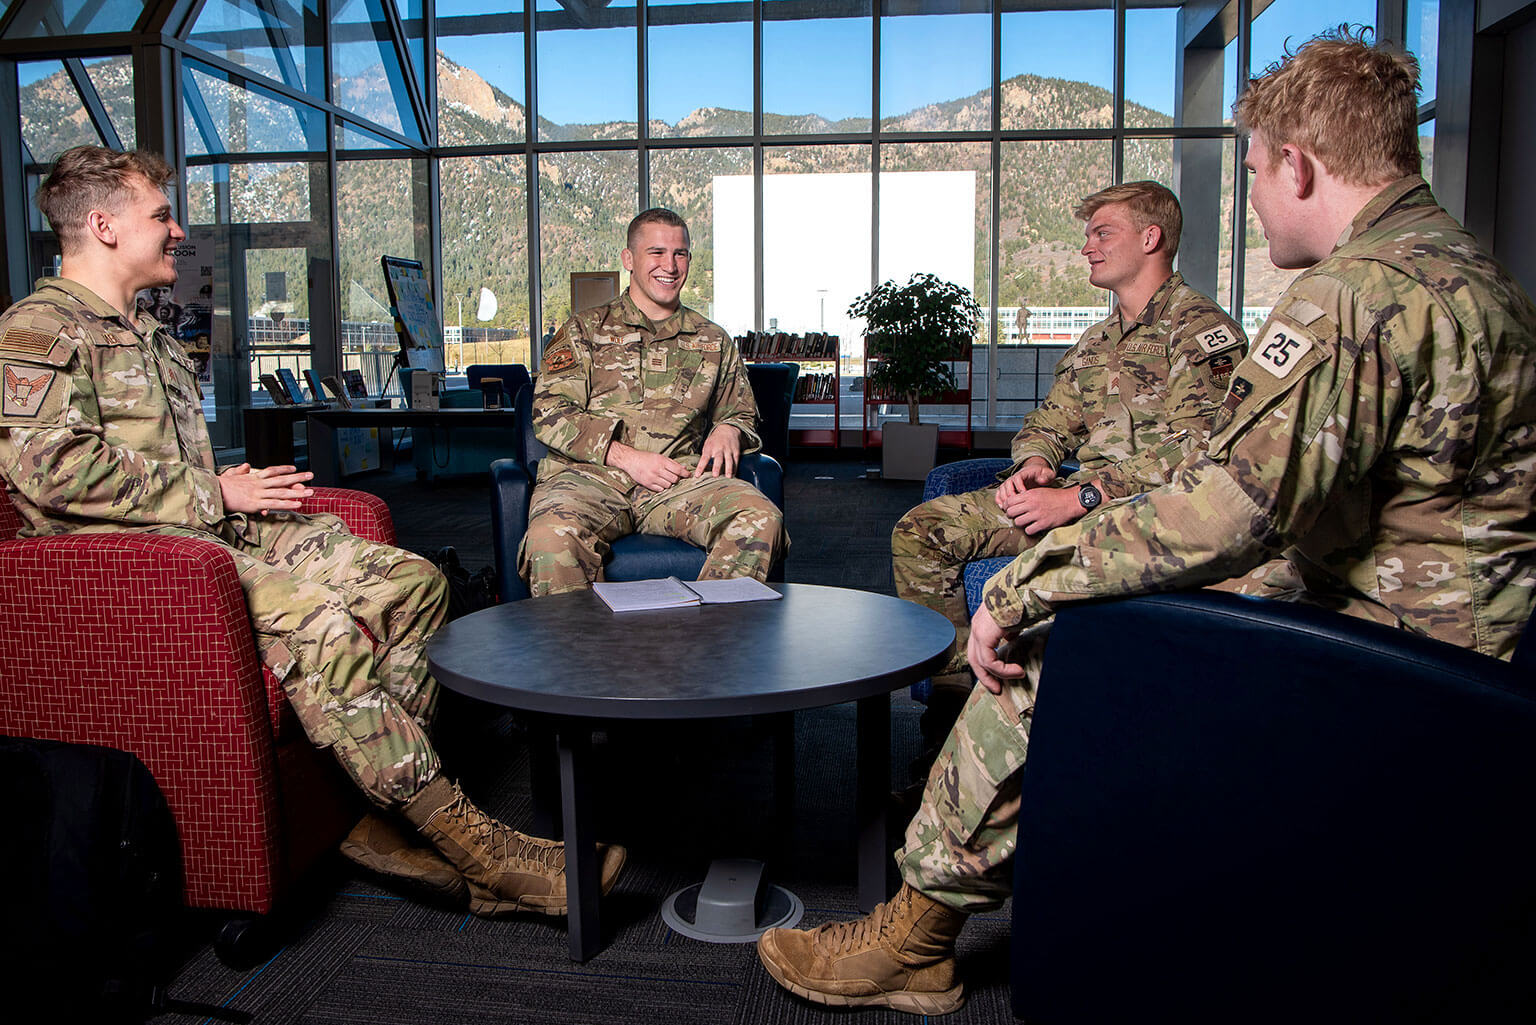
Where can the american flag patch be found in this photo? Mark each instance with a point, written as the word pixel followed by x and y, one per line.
pixel 24 341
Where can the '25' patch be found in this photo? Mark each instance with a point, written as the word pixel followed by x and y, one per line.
pixel 1280 350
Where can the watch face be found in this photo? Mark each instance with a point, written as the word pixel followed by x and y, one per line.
pixel 1089 496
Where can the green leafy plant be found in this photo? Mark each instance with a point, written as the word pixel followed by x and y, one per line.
pixel 913 332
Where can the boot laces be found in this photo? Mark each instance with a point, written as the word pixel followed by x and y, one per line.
pixel 848 937
pixel 505 843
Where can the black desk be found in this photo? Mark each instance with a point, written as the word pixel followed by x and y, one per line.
pixel 323 424
pixel 817 646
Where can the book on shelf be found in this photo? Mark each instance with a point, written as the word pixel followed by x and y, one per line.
pixel 672 593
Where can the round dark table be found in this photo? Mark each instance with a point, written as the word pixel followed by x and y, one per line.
pixel 575 661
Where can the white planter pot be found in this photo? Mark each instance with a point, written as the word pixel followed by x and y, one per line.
pixel 908 451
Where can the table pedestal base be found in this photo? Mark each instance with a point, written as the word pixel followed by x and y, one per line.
pixel 731 905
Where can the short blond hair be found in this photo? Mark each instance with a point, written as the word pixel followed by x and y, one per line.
pixel 1149 203
pixel 1351 104
pixel 88 178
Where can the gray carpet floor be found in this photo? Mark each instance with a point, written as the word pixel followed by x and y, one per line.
pixel 677 796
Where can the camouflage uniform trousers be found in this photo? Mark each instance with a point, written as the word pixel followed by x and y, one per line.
pixel 573 520
pixel 929 549
pixel 959 843
pixel 343 624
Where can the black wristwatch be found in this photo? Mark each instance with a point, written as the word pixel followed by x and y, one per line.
pixel 1089 496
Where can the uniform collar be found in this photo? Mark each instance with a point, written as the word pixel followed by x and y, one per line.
pixel 1156 306
pixel 1384 202
pixel 143 326
pixel 683 322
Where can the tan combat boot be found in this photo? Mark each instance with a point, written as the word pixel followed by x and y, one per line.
pixel 506 870
pixel 902 956
pixel 380 844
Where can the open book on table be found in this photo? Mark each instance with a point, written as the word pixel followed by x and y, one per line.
pixel 672 593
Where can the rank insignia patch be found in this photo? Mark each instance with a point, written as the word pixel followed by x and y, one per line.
pixel 656 361
pixel 24 389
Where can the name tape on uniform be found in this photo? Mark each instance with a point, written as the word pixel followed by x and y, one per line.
pixel 1280 350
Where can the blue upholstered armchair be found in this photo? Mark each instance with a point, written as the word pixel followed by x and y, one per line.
pixel 773 388
pixel 636 557
pixel 956 479
pixel 1268 812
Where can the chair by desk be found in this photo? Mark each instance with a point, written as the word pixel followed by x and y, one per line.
pixel 441 452
pixel 142 642
pixel 1267 812
pixel 635 557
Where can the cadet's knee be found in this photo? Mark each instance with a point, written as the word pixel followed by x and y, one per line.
pixel 548 534
pixel 915 527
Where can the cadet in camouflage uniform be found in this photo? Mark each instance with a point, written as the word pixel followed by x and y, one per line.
pixel 646 408
pixel 1131 399
pixel 101 429
pixel 1378 438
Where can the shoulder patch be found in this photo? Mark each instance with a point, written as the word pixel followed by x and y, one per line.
pixel 1217 339
pixel 28 342
pixel 560 357
pixel 23 388
pixel 1280 349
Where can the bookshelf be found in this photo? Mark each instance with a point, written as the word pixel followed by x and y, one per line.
pixel 956 397
pixel 820 378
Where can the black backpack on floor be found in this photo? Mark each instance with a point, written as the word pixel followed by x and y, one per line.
pixel 91 868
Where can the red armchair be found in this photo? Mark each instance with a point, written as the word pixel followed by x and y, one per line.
pixel 142 642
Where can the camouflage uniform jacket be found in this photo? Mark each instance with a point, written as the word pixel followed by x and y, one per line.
pixel 1132 399
pixel 610 374
pixel 102 424
pixel 1382 433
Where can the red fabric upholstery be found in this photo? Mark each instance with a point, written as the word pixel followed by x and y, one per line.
pixel 143 643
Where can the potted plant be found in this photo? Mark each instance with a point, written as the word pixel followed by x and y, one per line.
pixel 913 332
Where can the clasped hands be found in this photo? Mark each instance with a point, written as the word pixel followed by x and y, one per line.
pixel 1028 499
pixel 656 472
pixel 245 490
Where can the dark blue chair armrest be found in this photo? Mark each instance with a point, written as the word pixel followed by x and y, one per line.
pixel 1265 810
pixel 764 473
pixel 963 475
pixel 511 491
pixel 636 557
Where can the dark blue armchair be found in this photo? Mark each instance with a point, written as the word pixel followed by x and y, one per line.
pixel 1267 812
pixel 636 557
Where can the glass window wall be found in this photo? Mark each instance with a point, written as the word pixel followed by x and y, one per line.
pixel 485 260
pixel 700 65
pixel 1058 66
pixel 481 86
pixel 935 66
pixel 1064 125
pixel 586 200
pixel 587 70
pixel 817 66
pixel 712 190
